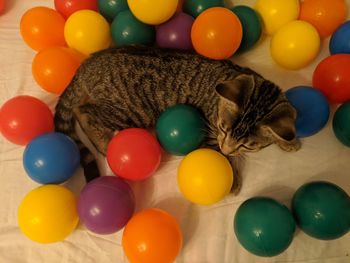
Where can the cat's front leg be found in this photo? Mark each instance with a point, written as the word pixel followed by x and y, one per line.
pixel 237 178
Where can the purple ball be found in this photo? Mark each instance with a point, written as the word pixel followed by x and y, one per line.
pixel 106 204
pixel 176 32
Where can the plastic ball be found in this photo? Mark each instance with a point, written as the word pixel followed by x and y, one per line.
pixel 42 27
pixel 181 129
pixel 51 158
pixel 127 30
pixel 68 7
pixel 216 33
pixel 87 31
pixel 134 154
pixel 196 7
pixel 176 32
pixel 322 210
pixel 295 45
pixel 312 109
pixel 2 6
pixel 106 204
pixel 23 118
pixel 332 78
pixel 111 8
pixel 48 214
pixel 53 68
pixel 152 235
pixel 341 124
pixel 324 15
pixel 264 226
pixel 276 13
pixel 251 25
pixel 340 40
pixel 205 176
pixel 153 12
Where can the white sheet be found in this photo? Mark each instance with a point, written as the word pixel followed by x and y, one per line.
pixel 208 231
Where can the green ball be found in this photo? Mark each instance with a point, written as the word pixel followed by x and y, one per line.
pixel 127 30
pixel 110 8
pixel 264 226
pixel 322 210
pixel 341 124
pixel 196 7
pixel 181 129
pixel 251 25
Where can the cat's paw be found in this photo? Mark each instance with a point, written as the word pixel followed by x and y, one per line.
pixel 291 146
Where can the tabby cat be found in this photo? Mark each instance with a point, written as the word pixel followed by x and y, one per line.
pixel 127 87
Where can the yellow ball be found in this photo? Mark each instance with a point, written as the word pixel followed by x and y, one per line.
pixel 153 12
pixel 295 45
pixel 48 214
pixel 205 176
pixel 277 13
pixel 87 31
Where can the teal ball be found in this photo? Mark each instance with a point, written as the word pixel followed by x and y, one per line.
pixel 341 124
pixel 195 7
pixel 110 8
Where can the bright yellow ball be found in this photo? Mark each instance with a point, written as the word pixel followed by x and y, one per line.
pixel 48 214
pixel 277 13
pixel 153 12
pixel 87 31
pixel 295 45
pixel 205 176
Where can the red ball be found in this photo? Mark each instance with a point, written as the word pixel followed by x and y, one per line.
pixel 134 154
pixel 2 6
pixel 332 78
pixel 24 117
pixel 68 7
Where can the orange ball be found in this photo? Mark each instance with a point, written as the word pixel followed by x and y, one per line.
pixel 216 33
pixel 325 15
pixel 152 235
pixel 42 27
pixel 54 67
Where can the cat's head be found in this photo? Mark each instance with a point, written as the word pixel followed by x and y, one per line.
pixel 252 114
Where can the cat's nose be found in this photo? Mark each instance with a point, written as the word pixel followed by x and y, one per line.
pixel 225 150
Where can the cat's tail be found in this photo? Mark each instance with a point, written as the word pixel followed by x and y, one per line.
pixel 64 121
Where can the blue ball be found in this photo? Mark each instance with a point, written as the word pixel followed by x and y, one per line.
pixel 312 109
pixel 340 40
pixel 51 158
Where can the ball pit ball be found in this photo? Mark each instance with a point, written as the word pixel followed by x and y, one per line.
pixel 48 214
pixel 205 176
pixel 152 235
pixel 322 210
pixel 106 204
pixel 87 31
pixel 176 32
pixel 2 6
pixel 216 33
pixel 23 118
pixel 180 129
pixel 324 15
pixel 134 154
pixel 196 7
pixel 340 40
pixel 68 7
pixel 128 30
pixel 276 13
pixel 332 78
pixel 264 226
pixel 153 12
pixel 295 45
pixel 111 8
pixel 341 124
pixel 251 24
pixel 312 109
pixel 51 158
pixel 42 27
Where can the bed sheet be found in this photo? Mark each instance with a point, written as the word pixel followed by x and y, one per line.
pixel 208 230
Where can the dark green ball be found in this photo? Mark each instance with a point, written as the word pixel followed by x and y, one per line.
pixel 181 129
pixel 127 30
pixel 251 25
pixel 110 8
pixel 341 124
pixel 196 7
pixel 264 226
pixel 322 210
